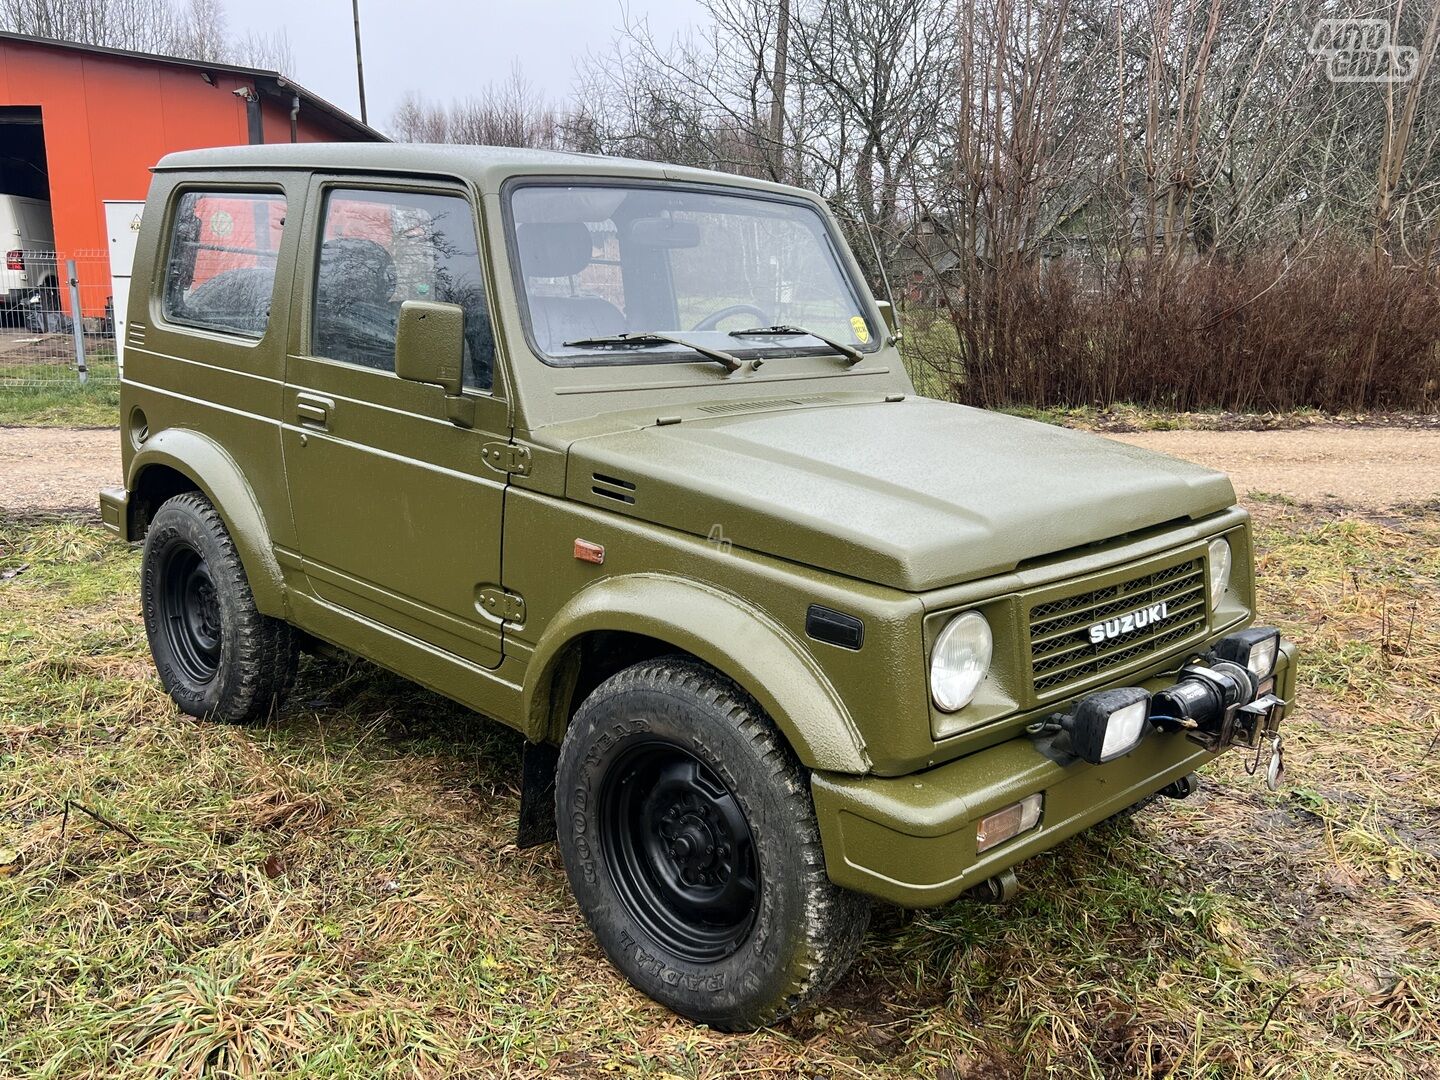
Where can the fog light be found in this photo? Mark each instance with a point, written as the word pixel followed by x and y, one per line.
pixel 1109 724
pixel 1008 822
pixel 1254 649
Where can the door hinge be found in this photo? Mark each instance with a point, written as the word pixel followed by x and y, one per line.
pixel 502 605
pixel 507 458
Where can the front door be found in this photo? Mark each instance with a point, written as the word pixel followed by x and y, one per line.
pixel 397 516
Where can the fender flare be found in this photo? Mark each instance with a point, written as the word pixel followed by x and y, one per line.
pixel 734 638
pixel 215 473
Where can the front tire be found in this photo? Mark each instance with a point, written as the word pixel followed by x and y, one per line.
pixel 689 837
pixel 218 657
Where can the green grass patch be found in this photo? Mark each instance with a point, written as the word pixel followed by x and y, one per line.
pixel 96 404
pixel 337 893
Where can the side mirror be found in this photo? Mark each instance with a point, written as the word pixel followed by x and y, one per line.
pixel 887 312
pixel 430 344
pixel 430 348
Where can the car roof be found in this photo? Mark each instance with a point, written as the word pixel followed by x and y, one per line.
pixel 486 166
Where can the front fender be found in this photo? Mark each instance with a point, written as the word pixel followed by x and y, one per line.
pixel 215 473
pixel 720 629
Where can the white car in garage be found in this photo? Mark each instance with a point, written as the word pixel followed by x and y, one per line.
pixel 27 239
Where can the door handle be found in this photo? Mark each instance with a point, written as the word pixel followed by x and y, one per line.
pixel 313 411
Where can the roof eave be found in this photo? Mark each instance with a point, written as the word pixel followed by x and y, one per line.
pixel 283 83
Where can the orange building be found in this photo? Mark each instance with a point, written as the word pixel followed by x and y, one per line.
pixel 80 124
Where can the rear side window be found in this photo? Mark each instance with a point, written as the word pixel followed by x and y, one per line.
pixel 381 248
pixel 223 250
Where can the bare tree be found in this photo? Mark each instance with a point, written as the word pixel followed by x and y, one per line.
pixel 201 31
pixel 191 28
pixel 1398 142
pixel 142 25
pixel 270 51
pixel 509 113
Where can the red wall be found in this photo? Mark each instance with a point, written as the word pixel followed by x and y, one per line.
pixel 109 118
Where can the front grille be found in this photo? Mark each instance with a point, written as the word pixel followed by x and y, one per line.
pixel 1061 651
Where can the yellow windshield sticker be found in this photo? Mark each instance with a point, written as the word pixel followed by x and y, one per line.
pixel 862 332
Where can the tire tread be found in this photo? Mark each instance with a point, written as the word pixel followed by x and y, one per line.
pixel 266 650
pixel 836 918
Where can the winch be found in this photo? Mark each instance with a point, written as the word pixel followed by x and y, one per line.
pixel 1223 698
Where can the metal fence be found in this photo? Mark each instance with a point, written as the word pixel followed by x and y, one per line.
pixel 57 320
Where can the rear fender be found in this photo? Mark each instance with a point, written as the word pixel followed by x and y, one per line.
pixel 215 473
pixel 723 631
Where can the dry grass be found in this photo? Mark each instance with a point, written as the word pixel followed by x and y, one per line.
pixel 337 894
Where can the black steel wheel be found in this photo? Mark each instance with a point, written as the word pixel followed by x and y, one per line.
pixel 689 837
pixel 217 655
pixel 681 851
pixel 190 613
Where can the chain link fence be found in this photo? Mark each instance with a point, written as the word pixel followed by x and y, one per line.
pixel 58 327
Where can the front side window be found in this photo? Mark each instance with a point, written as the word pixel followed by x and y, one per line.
pixel 220 274
pixel 381 248
pixel 596 261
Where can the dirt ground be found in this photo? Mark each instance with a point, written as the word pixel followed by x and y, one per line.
pixel 1372 468
pixel 56 468
pixel 20 349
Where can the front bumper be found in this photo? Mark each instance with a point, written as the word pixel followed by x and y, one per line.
pixel 910 840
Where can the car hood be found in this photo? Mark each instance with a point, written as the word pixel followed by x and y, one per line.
pixel 915 494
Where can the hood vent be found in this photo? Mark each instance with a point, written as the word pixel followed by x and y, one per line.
pixel 723 408
pixel 612 487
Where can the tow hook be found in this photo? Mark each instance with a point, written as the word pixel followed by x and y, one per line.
pixel 1227 698
pixel 1275 771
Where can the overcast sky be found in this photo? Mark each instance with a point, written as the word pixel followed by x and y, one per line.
pixel 447 48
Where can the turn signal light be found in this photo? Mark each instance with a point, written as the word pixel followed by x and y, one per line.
pixel 1008 822
pixel 589 551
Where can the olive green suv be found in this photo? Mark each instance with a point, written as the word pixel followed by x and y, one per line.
pixel 623 455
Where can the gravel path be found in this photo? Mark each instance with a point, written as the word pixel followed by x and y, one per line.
pixel 1376 468
pixel 57 468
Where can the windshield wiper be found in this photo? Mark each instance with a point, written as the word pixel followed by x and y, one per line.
pixel 620 341
pixel 850 353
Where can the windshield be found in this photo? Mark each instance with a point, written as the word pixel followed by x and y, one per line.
pixel 599 260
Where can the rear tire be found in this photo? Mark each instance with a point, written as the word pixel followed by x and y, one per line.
pixel 689 837
pixel 218 657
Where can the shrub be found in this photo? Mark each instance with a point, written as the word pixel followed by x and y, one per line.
pixel 1334 330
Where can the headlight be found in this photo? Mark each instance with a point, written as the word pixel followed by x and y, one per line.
pixel 960 661
pixel 1219 571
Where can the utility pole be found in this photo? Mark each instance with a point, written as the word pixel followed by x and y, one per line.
pixel 359 61
pixel 777 95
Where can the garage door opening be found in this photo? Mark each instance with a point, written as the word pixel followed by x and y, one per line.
pixel 29 279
